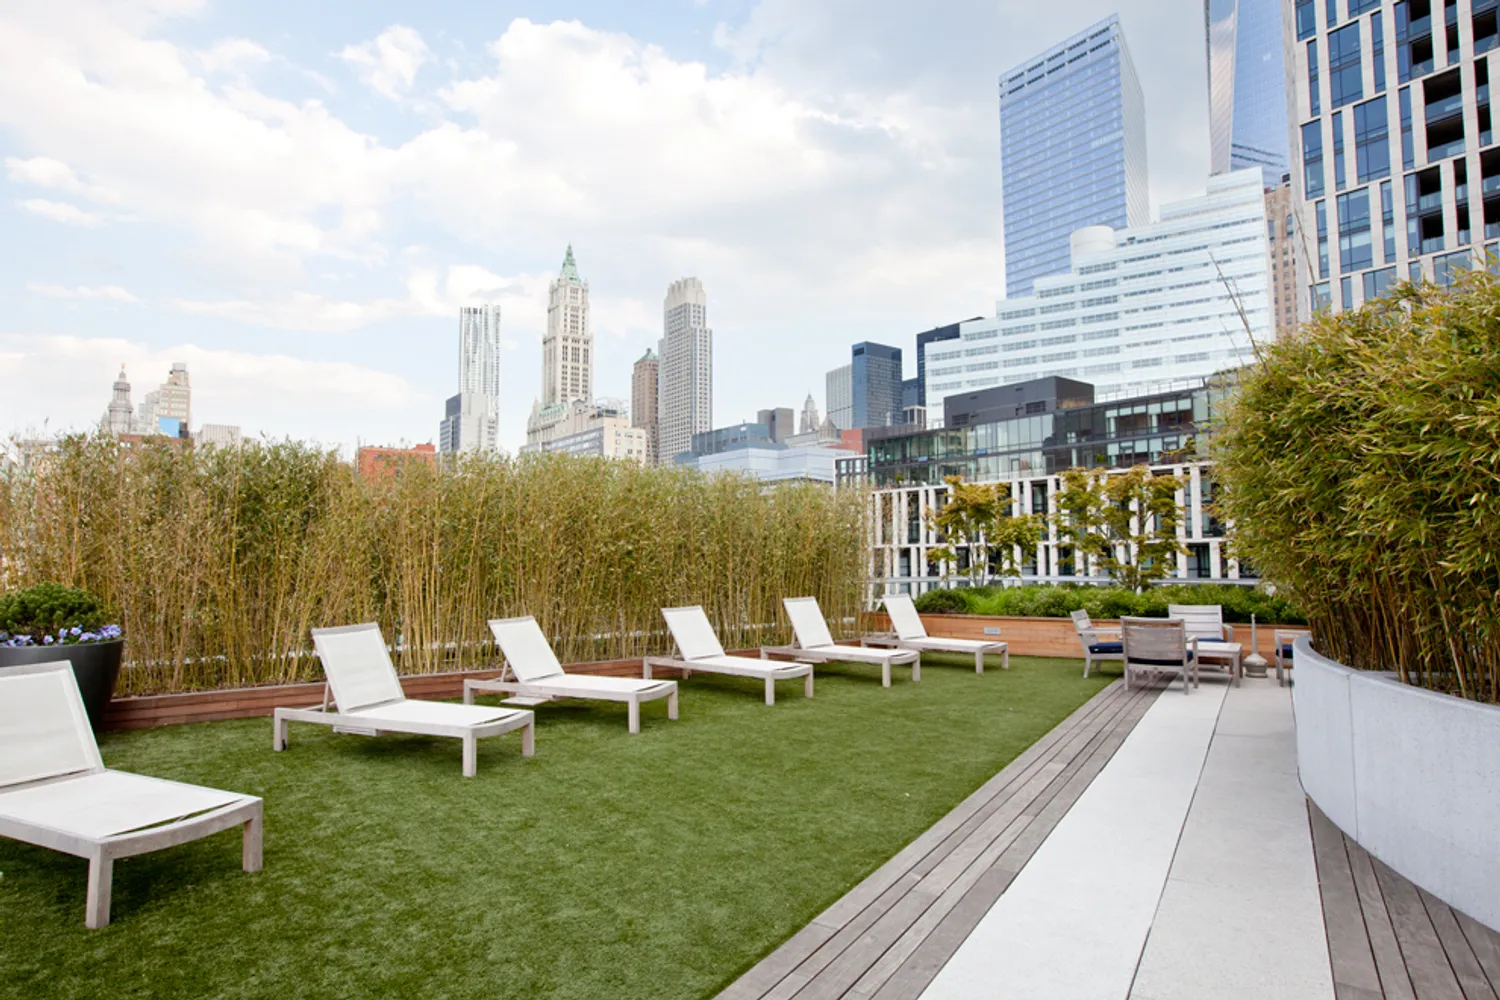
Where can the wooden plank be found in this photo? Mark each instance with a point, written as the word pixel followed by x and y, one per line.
pixel 1390 964
pixel 1486 945
pixel 1349 946
pixel 1471 977
pixel 776 967
pixel 1432 978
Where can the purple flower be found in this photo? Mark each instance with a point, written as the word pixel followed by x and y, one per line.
pixel 47 640
pixel 75 631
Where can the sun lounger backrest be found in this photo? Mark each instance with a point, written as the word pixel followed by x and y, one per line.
pixel 357 665
pixel 526 649
pixel 807 622
pixel 695 636
pixel 44 731
pixel 904 617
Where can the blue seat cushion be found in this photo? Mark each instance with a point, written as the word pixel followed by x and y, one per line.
pixel 1107 647
pixel 1161 663
pixel 1286 651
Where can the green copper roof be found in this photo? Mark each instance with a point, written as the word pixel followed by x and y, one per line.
pixel 569 268
pixel 650 355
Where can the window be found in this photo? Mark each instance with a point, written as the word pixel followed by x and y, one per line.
pixel 1314 101
pixel 1331 10
pixel 1408 146
pixel 1372 148
pixel 1346 293
pixel 1377 49
pixel 1307 19
pixel 1388 221
pixel 1376 282
pixel 1321 212
pixel 1354 231
pixel 1320 297
pixel 1312 159
pixel 1339 173
pixel 1345 79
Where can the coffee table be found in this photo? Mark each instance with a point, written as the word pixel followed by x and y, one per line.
pixel 1228 653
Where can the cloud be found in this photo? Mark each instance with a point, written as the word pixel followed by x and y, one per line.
pixel 233 55
pixel 61 211
pixel 388 64
pixel 66 381
pixel 107 293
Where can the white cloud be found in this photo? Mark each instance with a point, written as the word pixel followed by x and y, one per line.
pixel 66 380
pixel 109 293
pixel 233 55
pixel 388 64
pixel 61 211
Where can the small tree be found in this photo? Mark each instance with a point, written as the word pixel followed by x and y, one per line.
pixel 1126 521
pixel 976 520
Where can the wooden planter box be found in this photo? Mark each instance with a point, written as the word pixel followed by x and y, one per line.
pixel 1044 636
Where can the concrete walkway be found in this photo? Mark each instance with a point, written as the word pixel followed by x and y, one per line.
pixel 1184 870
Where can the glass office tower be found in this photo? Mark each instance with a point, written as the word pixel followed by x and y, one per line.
pixel 1246 87
pixel 1072 148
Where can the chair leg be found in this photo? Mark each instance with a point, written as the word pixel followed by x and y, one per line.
pixel 807 684
pixel 528 738
pixel 251 843
pixel 885 673
pixel 770 691
pixel 1005 658
pixel 468 694
pixel 1088 661
pixel 916 668
pixel 471 755
pixel 278 731
pixel 979 662
pixel 672 705
pixel 635 715
pixel 101 879
pixel 646 669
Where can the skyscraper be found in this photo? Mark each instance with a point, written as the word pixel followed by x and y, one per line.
pixel 1072 150
pixel 479 373
pixel 685 383
pixel 810 419
pixel 644 379
pixel 568 346
pixel 1246 87
pixel 840 396
pixel 875 385
pixel 168 408
pixel 936 335
pixel 1393 164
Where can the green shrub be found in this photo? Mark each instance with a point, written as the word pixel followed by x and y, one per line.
pixel 1047 601
pixel 942 602
pixel 1359 461
pixel 49 613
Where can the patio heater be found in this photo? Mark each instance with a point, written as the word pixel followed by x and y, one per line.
pixel 1253 665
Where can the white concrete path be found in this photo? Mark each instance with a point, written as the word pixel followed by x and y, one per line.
pixel 1111 907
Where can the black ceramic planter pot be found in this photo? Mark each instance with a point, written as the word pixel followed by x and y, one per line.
pixel 95 664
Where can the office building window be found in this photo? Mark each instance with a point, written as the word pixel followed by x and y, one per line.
pixel 1314 96
pixel 1312 159
pixel 1345 77
pixel 1307 19
pixel 1377 49
pixel 1321 212
pixel 1358 7
pixel 1320 297
pixel 1388 220
pixel 1346 293
pixel 1376 282
pixel 1354 231
pixel 1372 147
pixel 1331 11
pixel 1408 144
pixel 1339 174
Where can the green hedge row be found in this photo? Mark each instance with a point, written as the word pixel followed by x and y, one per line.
pixel 1239 603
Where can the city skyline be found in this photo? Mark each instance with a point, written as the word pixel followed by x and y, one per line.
pixel 331 318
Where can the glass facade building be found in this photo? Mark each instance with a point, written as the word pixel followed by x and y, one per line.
pixel 1246 87
pixel 1394 162
pixel 875 385
pixel 1072 149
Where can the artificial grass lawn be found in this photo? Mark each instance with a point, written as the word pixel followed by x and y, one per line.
pixel 608 866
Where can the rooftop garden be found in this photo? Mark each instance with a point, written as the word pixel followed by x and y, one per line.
pixel 653 866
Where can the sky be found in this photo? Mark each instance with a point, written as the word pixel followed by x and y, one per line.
pixel 296 199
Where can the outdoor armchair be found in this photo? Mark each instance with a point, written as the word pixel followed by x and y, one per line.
pixel 531 675
pixel 908 632
pixel 364 686
pixel 55 791
pixel 698 648
pixel 1284 640
pixel 1098 643
pixel 1204 623
pixel 1156 646
pixel 814 643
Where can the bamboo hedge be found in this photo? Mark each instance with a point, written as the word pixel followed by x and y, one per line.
pixel 1361 462
pixel 220 560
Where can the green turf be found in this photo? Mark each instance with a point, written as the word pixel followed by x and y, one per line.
pixel 608 866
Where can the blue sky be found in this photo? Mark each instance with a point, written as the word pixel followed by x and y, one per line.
pixel 295 199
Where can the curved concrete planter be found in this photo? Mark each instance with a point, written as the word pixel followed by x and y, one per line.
pixel 1408 773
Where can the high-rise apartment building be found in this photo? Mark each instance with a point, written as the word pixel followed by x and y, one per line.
pixel 1072 150
pixel 1246 87
pixel 875 385
pixel 1141 309
pixel 568 346
pixel 479 369
pixel 1281 233
pixel 1394 169
pixel 167 409
pixel 840 396
pixel 685 380
pixel 643 399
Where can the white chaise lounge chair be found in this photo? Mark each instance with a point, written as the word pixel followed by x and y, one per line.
pixel 815 643
pixel 535 676
pixel 910 633
pixel 370 701
pixel 55 791
pixel 699 649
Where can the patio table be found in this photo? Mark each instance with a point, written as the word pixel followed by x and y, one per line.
pixel 1219 652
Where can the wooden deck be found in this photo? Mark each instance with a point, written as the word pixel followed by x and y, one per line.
pixel 891 935
pixel 1389 939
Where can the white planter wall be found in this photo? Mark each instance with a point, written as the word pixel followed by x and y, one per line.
pixel 1412 775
